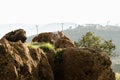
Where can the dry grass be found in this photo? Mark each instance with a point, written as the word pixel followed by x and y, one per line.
pixel 117 76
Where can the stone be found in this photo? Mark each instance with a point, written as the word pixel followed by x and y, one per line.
pixel 16 35
pixel 65 62
pixel 64 43
pixel 83 64
pixel 19 62
pixel 59 40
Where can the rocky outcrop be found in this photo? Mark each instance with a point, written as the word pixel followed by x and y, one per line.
pixel 74 63
pixel 45 37
pixel 83 64
pixel 64 62
pixel 59 40
pixel 16 35
pixel 64 43
pixel 18 62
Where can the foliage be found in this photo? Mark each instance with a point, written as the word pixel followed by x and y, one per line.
pixel 91 40
pixel 108 46
pixel 44 46
pixel 33 45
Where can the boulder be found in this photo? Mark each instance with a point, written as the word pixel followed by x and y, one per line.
pixel 64 62
pixel 45 37
pixel 83 64
pixel 59 40
pixel 19 62
pixel 51 58
pixel 64 43
pixel 16 35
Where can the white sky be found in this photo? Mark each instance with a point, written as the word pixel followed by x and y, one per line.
pixel 52 11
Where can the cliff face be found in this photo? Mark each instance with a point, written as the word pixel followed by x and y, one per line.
pixel 18 62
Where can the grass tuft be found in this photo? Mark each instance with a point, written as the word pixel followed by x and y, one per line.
pixel 44 46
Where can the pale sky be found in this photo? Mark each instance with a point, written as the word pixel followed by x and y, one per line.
pixel 53 11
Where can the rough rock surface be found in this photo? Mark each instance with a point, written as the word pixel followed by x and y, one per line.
pixel 51 58
pixel 64 43
pixel 18 62
pixel 16 35
pixel 83 64
pixel 59 40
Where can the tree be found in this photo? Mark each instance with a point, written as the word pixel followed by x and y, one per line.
pixel 108 46
pixel 93 41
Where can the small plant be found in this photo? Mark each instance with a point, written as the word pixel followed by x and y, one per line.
pixel 44 46
pixel 33 45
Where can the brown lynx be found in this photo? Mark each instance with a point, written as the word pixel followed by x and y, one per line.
pixel 61 35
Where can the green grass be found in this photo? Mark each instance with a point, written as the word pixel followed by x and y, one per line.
pixel 44 46
pixel 117 75
pixel 33 45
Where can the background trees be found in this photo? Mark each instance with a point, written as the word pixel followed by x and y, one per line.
pixel 91 40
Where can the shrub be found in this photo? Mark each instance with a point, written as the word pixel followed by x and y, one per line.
pixel 91 40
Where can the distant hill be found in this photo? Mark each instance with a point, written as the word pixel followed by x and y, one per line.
pixel 105 32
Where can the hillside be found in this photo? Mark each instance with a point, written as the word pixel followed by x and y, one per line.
pixel 105 32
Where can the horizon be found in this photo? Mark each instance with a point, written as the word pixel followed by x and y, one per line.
pixel 31 29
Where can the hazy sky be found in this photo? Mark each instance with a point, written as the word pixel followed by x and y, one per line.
pixel 50 11
pixel 31 29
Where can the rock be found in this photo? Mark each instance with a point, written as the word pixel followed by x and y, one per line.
pixel 64 43
pixel 59 40
pixel 21 62
pixel 44 37
pixel 51 58
pixel 18 62
pixel 83 64
pixel 16 35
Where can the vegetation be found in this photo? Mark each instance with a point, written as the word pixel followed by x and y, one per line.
pixel 44 46
pixel 117 75
pixel 33 45
pixel 91 40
